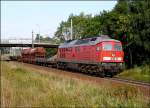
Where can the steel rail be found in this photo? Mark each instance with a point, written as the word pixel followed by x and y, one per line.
pixel 142 83
pixel 122 80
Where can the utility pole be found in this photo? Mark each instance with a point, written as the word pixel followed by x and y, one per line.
pixel 32 39
pixel 71 30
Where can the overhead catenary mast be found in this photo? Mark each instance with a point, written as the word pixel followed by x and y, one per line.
pixel 32 39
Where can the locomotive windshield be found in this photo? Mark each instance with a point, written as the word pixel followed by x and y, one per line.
pixel 107 46
pixel 118 47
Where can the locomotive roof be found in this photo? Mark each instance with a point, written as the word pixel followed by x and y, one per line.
pixel 87 41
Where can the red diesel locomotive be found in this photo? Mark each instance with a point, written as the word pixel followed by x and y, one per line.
pixel 98 55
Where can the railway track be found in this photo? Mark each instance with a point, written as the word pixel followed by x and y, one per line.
pixel 122 80
pixel 135 82
pixel 114 79
pixel 114 82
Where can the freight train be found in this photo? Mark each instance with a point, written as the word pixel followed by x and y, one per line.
pixel 97 55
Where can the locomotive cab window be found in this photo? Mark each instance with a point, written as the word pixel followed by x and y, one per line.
pixel 118 47
pixel 93 39
pixel 107 46
pixel 97 48
pixel 69 49
pixel 77 49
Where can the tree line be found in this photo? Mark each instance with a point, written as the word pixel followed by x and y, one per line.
pixel 128 21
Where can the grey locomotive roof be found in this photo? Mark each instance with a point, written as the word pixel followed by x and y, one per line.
pixel 87 41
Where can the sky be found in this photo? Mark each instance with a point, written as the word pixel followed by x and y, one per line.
pixel 19 18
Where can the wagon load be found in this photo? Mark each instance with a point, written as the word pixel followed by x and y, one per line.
pixel 25 54
pixel 38 52
pixel 32 55
pixel 26 51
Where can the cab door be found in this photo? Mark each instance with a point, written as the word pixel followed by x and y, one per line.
pixel 97 52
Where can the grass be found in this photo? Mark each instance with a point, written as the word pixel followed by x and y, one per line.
pixel 28 87
pixel 141 73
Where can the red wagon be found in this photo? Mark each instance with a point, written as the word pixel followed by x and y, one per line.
pixel 31 54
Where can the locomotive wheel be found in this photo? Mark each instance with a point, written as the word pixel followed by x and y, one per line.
pixel 58 65
pixel 54 65
pixel 102 74
pixel 88 69
pixel 111 74
pixel 46 65
pixel 106 73
pixel 64 66
pixel 82 68
pixel 94 70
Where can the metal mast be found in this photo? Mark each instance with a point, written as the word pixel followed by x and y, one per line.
pixel 32 39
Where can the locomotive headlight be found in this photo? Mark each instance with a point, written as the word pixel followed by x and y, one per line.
pixel 119 58
pixel 106 58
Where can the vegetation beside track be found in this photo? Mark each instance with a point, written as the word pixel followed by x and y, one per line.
pixel 141 73
pixel 29 87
